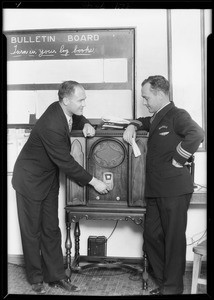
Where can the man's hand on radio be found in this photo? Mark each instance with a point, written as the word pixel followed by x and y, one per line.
pixel 88 130
pixel 129 133
pixel 99 186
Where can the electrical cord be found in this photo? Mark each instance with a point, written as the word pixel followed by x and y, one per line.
pixel 105 241
pixel 115 226
pixel 201 186
pixel 198 240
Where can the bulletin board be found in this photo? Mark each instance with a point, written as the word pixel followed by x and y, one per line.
pixel 38 61
pixel 102 58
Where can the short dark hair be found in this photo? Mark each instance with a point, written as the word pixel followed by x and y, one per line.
pixel 158 83
pixel 67 88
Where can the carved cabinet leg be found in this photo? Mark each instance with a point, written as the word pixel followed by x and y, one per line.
pixel 77 243
pixel 68 246
pixel 145 272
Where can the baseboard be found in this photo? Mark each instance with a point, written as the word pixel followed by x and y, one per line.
pixel 19 260
pixel 15 259
pixel 189 265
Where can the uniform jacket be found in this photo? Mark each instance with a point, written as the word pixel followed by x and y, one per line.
pixel 172 134
pixel 46 151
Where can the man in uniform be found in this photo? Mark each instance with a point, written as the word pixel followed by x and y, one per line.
pixel 173 138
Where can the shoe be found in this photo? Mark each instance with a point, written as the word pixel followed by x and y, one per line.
pixel 38 288
pixel 156 291
pixel 65 285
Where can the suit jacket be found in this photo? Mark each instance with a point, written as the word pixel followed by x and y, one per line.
pixel 46 151
pixel 172 134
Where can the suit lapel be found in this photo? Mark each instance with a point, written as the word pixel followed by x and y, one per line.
pixel 63 118
pixel 159 117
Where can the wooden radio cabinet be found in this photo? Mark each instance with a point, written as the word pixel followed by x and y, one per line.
pixel 109 158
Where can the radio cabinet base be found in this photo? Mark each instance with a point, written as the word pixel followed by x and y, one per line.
pixel 82 262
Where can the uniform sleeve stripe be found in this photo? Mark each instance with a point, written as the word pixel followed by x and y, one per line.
pixel 183 152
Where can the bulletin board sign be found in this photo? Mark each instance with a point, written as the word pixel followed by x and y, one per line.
pixel 103 58
pixel 70 44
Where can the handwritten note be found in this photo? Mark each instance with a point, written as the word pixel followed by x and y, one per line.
pixel 62 51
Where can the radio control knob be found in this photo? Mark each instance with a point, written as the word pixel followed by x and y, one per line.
pixel 98 198
pixel 117 198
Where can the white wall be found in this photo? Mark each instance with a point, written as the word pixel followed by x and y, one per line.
pixel 151 59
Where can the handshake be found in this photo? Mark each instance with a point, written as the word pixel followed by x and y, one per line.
pixel 99 186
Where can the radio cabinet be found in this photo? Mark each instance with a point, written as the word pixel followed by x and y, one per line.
pixel 109 158
pixel 112 160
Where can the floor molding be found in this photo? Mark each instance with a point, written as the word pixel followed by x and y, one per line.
pixel 15 259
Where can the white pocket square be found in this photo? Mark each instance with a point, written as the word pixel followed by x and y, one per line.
pixel 164 133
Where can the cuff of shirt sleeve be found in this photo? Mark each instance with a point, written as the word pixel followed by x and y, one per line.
pixel 91 182
pixel 136 123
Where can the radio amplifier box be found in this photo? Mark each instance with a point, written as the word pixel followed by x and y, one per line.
pixel 97 245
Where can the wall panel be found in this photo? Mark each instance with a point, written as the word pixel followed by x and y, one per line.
pixel 186 62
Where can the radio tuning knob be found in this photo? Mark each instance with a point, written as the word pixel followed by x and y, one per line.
pixel 117 198
pixel 97 197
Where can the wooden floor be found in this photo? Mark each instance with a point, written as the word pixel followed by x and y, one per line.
pixel 94 282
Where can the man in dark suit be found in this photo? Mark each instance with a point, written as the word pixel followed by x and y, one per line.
pixel 173 139
pixel 36 181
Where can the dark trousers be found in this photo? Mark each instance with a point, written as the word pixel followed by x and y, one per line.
pixel 165 240
pixel 41 237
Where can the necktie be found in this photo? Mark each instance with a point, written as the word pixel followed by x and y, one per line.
pixel 70 124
